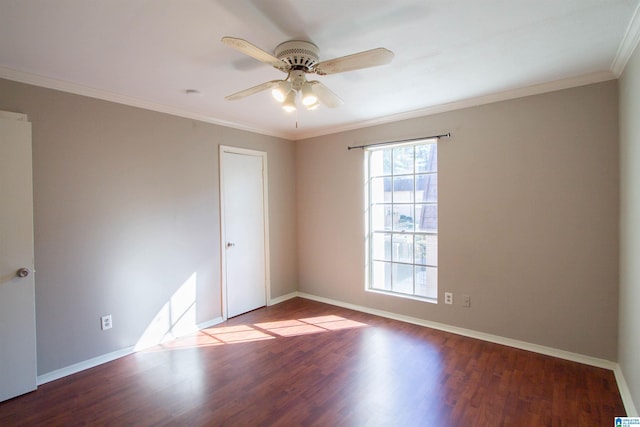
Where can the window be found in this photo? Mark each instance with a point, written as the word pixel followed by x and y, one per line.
pixel 402 218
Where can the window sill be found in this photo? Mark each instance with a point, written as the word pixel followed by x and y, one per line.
pixel 398 295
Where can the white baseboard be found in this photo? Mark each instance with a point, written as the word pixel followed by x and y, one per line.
pixel 210 323
pixel 625 393
pixel 81 366
pixel 99 360
pixel 549 351
pixel 283 298
pixel 562 354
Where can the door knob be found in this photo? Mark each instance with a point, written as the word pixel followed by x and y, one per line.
pixel 23 272
pixel 230 245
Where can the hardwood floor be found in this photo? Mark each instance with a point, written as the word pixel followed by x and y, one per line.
pixel 303 363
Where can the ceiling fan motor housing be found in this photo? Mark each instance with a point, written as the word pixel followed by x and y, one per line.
pixel 301 55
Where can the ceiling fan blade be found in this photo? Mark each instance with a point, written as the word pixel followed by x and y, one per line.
pixel 255 52
pixel 252 90
pixel 325 95
pixel 366 59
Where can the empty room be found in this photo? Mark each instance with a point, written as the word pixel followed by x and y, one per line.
pixel 327 213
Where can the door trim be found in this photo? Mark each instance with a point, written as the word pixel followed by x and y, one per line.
pixel 223 256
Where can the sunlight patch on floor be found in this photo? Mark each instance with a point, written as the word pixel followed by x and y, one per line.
pixel 313 325
pixel 244 333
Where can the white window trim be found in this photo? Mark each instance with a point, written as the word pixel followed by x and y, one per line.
pixel 368 227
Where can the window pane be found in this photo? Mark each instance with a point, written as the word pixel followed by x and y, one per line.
pixel 381 190
pixel 403 217
pixel 381 217
pixel 403 189
pixel 381 275
pixel 427 158
pixel 427 282
pixel 427 188
pixel 402 160
pixel 426 217
pixel 426 249
pixel 402 277
pixel 403 186
pixel 381 247
pixel 402 248
pixel 380 162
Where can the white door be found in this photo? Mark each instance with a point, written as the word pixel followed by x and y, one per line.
pixel 17 290
pixel 243 205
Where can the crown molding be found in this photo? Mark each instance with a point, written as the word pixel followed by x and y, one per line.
pixel 471 102
pixel 64 86
pixel 77 89
pixel 628 44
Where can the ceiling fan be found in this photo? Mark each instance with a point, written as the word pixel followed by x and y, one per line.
pixel 298 58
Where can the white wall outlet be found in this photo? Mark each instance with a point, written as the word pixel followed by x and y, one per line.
pixel 105 322
pixel 448 297
pixel 466 301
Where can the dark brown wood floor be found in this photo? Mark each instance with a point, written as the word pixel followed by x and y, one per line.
pixel 303 363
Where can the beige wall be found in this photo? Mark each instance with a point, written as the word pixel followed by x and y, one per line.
pixel 126 209
pixel 629 342
pixel 528 211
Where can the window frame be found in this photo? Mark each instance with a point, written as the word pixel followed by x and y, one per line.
pixel 370 232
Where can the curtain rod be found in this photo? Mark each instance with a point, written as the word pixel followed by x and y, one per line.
pixel 445 135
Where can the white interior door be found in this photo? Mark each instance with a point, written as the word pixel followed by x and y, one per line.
pixel 17 290
pixel 244 229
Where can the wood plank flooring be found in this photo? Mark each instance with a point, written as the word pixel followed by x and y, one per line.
pixel 303 363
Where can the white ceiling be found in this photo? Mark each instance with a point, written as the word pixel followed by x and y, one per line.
pixel 149 52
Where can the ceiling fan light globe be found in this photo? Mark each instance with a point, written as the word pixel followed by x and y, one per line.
pixel 278 95
pixel 281 91
pixel 308 97
pixel 313 106
pixel 289 103
pixel 310 100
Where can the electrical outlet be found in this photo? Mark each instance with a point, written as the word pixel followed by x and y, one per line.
pixel 448 298
pixel 105 322
pixel 466 301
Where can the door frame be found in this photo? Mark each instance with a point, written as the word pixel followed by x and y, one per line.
pixel 223 238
